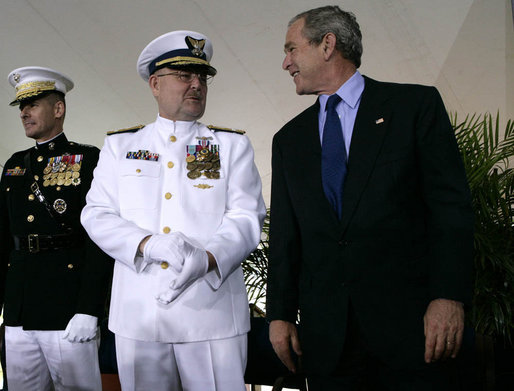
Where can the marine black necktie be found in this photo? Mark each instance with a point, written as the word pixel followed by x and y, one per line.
pixel 333 156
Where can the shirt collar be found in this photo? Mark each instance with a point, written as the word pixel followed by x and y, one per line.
pixel 56 142
pixel 350 92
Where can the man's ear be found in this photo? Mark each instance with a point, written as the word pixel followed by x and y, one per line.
pixel 329 45
pixel 59 109
pixel 153 82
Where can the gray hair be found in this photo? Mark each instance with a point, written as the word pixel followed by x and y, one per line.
pixel 331 19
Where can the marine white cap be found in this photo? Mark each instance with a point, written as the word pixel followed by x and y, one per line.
pixel 32 81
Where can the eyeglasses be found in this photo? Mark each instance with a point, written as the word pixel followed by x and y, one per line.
pixel 188 77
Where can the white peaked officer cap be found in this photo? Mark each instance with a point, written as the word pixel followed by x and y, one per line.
pixel 30 82
pixel 176 49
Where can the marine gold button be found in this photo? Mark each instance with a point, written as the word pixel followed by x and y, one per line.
pixel 164 265
pixel 171 164
pixel 30 218
pixel 138 170
pixel 70 266
pixel 8 189
pixel 36 178
pixel 40 159
pixel 31 197
pixel 166 230
pixel 173 139
pixel 167 196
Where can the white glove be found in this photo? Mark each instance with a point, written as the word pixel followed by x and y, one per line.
pixel 81 328
pixel 165 248
pixel 196 265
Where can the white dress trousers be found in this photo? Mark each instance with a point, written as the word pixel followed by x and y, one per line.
pixel 44 361
pixel 216 365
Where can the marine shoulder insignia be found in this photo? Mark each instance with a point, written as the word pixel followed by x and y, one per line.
pixel 126 130
pixel 229 130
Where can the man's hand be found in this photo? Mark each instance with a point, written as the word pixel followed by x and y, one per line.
pixel 81 328
pixel 283 336
pixel 196 265
pixel 444 326
pixel 168 248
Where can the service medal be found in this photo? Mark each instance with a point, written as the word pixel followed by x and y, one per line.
pixel 60 206
pixel 194 174
pixel 203 159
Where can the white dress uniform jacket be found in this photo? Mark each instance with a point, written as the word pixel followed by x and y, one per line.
pixel 132 198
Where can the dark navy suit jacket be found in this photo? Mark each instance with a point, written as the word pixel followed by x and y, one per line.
pixel 405 237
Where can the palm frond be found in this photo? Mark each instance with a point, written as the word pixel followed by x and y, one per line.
pixel 255 269
pixel 487 153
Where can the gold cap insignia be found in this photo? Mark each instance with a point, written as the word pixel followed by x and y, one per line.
pixel 196 45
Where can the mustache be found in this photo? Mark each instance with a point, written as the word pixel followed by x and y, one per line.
pixel 195 94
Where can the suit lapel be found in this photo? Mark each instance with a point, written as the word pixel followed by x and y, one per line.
pixel 369 131
pixel 309 152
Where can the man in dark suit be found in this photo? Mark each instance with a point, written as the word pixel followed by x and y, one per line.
pixel 53 279
pixel 371 224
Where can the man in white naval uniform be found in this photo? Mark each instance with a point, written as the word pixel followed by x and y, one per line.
pixel 178 205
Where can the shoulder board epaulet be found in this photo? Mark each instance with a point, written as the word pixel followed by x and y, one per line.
pixel 219 129
pixel 126 130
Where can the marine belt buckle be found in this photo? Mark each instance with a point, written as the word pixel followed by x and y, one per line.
pixel 33 243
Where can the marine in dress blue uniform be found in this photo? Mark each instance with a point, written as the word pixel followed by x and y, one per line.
pixel 53 278
pixel 178 205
